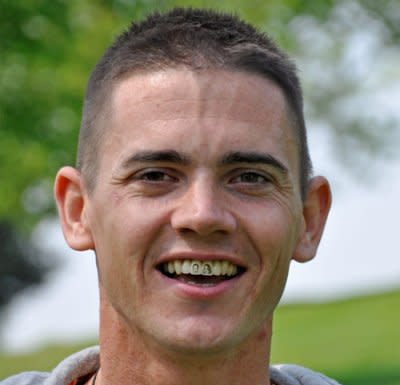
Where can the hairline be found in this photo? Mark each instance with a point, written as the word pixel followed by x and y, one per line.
pixel 104 111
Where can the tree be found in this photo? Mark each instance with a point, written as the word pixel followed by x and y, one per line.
pixel 48 48
pixel 22 264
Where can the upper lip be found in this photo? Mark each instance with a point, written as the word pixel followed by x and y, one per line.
pixel 201 256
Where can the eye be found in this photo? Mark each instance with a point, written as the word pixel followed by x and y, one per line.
pixel 251 177
pixel 155 176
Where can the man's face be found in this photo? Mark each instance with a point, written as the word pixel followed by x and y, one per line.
pixel 196 213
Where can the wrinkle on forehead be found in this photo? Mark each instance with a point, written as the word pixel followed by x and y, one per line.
pixel 191 87
pixel 213 97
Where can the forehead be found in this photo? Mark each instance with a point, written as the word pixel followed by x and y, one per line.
pixel 217 109
pixel 241 94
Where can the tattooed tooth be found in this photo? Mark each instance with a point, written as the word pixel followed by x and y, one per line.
pixel 195 268
pixel 207 268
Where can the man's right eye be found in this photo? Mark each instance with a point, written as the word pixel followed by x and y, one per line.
pixel 155 176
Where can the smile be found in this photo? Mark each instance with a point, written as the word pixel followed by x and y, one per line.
pixel 199 272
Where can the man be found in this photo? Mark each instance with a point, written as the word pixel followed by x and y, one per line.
pixel 193 186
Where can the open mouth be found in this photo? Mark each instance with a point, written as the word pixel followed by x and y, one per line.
pixel 196 272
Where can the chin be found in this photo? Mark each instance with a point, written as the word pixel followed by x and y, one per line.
pixel 206 338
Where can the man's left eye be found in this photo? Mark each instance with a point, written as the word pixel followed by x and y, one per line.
pixel 251 177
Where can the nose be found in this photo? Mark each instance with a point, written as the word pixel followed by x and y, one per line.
pixel 203 210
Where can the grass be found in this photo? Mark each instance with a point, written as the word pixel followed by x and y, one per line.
pixel 356 341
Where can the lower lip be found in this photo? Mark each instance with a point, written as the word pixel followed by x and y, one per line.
pixel 201 292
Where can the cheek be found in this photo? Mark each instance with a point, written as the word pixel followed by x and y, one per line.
pixel 277 236
pixel 126 236
pixel 274 232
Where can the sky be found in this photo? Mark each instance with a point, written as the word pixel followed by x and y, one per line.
pixel 359 254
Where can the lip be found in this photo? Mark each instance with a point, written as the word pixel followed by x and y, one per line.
pixel 197 292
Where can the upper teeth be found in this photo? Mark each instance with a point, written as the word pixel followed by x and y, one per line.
pixel 197 267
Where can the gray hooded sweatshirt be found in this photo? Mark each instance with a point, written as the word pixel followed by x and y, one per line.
pixel 87 362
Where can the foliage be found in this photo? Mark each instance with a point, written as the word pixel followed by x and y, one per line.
pixel 48 48
pixel 353 341
pixel 21 267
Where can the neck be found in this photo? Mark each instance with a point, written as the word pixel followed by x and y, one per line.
pixel 129 358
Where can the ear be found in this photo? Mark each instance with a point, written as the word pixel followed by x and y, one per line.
pixel 71 201
pixel 315 212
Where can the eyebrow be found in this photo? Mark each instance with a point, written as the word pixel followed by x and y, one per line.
pixel 156 156
pixel 252 158
pixel 231 158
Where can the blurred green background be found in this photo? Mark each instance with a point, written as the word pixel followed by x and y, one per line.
pixel 47 50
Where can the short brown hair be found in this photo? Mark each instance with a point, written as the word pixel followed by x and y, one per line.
pixel 197 39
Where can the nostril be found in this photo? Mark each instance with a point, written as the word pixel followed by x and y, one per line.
pixel 207 231
pixel 204 223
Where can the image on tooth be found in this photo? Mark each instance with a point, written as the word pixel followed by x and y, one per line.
pixel 206 269
pixel 195 267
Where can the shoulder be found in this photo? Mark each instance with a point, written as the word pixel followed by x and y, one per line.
pixel 73 367
pixel 298 375
pixel 26 378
